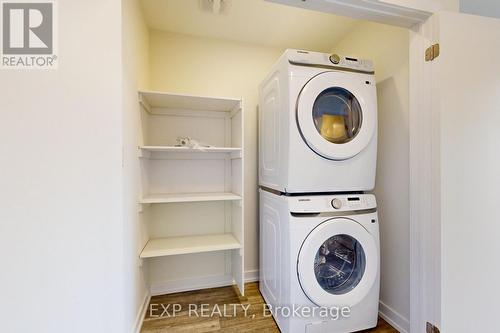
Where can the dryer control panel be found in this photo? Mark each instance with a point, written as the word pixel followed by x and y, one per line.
pixel 331 203
pixel 309 58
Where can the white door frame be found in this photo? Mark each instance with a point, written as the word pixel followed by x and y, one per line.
pixel 425 280
pixel 424 155
pixel 402 13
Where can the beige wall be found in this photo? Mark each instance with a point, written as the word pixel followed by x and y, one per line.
pixel 388 47
pixel 194 65
pixel 135 56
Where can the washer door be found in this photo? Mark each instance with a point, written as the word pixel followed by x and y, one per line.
pixel 338 263
pixel 336 115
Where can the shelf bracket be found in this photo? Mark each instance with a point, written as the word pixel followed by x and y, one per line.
pixel 142 153
pixel 141 206
pixel 144 104
pixel 236 155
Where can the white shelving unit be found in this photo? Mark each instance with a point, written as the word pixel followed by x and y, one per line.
pixel 192 199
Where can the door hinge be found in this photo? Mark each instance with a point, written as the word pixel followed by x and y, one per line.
pixel 429 328
pixel 432 52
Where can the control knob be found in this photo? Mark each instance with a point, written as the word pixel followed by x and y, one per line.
pixel 336 203
pixel 335 58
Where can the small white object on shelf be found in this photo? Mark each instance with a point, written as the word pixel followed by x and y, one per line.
pixel 186 141
pixel 188 197
pixel 189 244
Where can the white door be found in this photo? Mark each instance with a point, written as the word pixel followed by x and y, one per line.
pixel 457 132
pixel 337 114
pixel 338 263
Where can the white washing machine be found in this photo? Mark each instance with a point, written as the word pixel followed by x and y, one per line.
pixel 320 252
pixel 318 124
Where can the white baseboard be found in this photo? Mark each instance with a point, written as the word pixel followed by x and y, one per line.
pixel 140 315
pixel 252 276
pixel 394 319
pixel 203 282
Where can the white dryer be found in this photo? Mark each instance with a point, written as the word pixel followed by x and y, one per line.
pixel 320 252
pixel 318 124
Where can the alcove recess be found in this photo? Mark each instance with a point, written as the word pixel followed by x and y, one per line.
pixel 192 198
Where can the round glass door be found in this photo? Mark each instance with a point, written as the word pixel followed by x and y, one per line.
pixel 339 264
pixel 337 115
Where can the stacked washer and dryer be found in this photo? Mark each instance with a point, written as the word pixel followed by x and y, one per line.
pixel 319 233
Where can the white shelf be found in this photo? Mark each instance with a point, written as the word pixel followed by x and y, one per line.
pixel 190 244
pixel 188 197
pixel 155 100
pixel 174 149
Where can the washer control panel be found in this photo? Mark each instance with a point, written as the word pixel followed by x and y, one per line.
pixel 331 203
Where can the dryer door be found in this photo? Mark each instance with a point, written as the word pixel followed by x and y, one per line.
pixel 337 114
pixel 338 263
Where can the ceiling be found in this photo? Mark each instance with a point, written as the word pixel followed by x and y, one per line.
pixel 250 21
